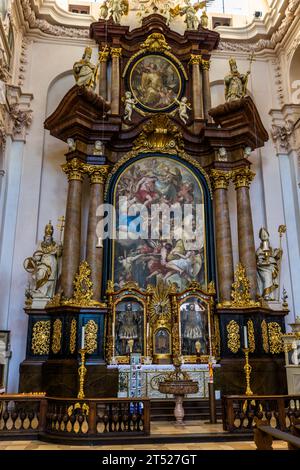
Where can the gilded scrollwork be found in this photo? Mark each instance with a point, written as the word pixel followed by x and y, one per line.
pixel 251 336
pixel 73 334
pixel 275 338
pixel 41 337
pixel 265 339
pixel 57 334
pixel 91 335
pixel 233 336
pixel 83 289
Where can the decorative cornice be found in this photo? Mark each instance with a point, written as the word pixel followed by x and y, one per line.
pixel 47 28
pixel 242 177
pixel 270 43
pixel 74 169
pixel 220 179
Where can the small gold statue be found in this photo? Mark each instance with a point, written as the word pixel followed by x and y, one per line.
pixel 85 72
pixel 235 83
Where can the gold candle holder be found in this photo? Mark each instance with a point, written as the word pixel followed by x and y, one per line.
pixel 248 370
pixel 82 373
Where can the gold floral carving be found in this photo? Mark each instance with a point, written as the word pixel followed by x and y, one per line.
pixel 97 174
pixel 73 331
pixel 54 302
pixel 156 42
pixel 217 337
pixel 74 169
pixel 41 337
pixel 275 338
pixel 83 289
pixel 233 336
pixel 220 179
pixel 265 339
pixel 242 177
pixel 161 135
pixel 196 59
pixel 240 293
pixel 251 336
pixel 90 334
pixel 56 339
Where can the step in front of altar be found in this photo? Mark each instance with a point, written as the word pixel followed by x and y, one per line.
pixel 195 409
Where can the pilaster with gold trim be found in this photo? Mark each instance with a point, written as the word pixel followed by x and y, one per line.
pixel 94 253
pixel 74 169
pixel 116 53
pixel 103 58
pixel 206 88
pixel 195 61
pixel 220 181
pixel 242 178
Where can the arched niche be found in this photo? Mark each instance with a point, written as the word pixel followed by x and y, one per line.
pixel 144 252
pixel 294 76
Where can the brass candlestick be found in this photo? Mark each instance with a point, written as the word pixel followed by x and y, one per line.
pixel 248 370
pixel 82 373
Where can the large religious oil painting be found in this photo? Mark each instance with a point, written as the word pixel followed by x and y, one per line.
pixel 155 83
pixel 160 222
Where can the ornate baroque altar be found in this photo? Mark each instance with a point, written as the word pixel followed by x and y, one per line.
pixel 145 134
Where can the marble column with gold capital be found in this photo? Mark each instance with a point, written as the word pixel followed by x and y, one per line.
pixel 116 53
pixel 103 58
pixel 196 60
pixel 206 88
pixel 72 238
pixel 94 253
pixel 242 178
pixel 220 181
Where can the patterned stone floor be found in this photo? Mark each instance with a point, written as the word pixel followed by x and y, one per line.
pixel 38 445
pixel 157 428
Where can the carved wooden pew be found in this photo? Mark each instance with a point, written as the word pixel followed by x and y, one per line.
pixel 265 434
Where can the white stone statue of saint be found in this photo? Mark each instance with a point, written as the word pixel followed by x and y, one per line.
pixel 103 12
pixel 268 265
pixel 43 267
pixel 130 103
pixel 118 8
pixel 190 11
pixel 235 83
pixel 85 71
pixel 183 109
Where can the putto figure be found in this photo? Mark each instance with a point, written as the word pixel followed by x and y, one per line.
pixel 183 109
pixel 103 12
pixel 130 103
pixel 85 72
pixel 235 83
pixel 268 265
pixel 43 267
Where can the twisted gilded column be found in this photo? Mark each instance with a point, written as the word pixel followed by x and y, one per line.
pixel 94 253
pixel 196 60
pixel 206 88
pixel 220 182
pixel 242 179
pixel 72 238
pixel 116 53
pixel 103 57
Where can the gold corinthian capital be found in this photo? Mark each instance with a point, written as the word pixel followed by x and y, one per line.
pixel 242 177
pixel 205 64
pixel 97 174
pixel 219 179
pixel 196 59
pixel 116 52
pixel 74 169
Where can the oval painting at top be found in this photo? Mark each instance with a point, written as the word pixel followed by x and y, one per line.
pixel 155 82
